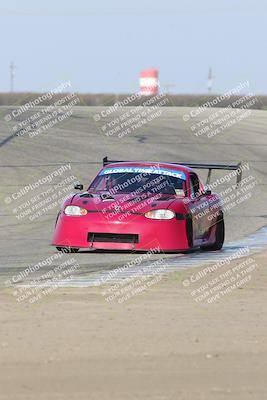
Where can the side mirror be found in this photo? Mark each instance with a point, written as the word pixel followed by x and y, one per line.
pixel 78 186
pixel 206 192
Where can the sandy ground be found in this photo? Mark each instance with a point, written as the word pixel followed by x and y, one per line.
pixel 161 344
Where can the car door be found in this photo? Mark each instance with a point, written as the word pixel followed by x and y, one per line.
pixel 199 208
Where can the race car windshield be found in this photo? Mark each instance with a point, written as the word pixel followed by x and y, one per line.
pixel 118 183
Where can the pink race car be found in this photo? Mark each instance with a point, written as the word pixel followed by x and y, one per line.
pixel 143 205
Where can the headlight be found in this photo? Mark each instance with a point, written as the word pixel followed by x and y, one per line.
pixel 160 214
pixel 75 210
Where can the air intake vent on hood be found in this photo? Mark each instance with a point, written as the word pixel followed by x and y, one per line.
pixel 86 194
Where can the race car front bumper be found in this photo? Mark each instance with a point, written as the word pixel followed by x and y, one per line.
pixel 136 232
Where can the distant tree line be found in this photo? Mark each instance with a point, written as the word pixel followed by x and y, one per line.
pixel 178 100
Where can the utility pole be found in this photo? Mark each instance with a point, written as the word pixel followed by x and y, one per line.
pixel 12 74
pixel 210 80
pixel 167 87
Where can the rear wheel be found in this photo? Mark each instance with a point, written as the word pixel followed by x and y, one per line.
pixel 67 249
pixel 219 235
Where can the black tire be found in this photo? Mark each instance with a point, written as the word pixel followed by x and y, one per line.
pixel 189 231
pixel 67 249
pixel 219 236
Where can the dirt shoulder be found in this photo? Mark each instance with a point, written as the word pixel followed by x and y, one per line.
pixel 161 344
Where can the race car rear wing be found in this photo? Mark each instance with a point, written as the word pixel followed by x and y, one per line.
pixel 209 167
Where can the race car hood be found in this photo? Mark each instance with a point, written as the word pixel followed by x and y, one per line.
pixel 122 202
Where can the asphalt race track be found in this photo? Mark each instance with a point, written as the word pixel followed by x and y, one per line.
pixel 81 142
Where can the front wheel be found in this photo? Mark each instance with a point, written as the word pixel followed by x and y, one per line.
pixel 67 249
pixel 219 236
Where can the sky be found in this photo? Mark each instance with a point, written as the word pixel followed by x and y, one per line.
pixel 101 46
